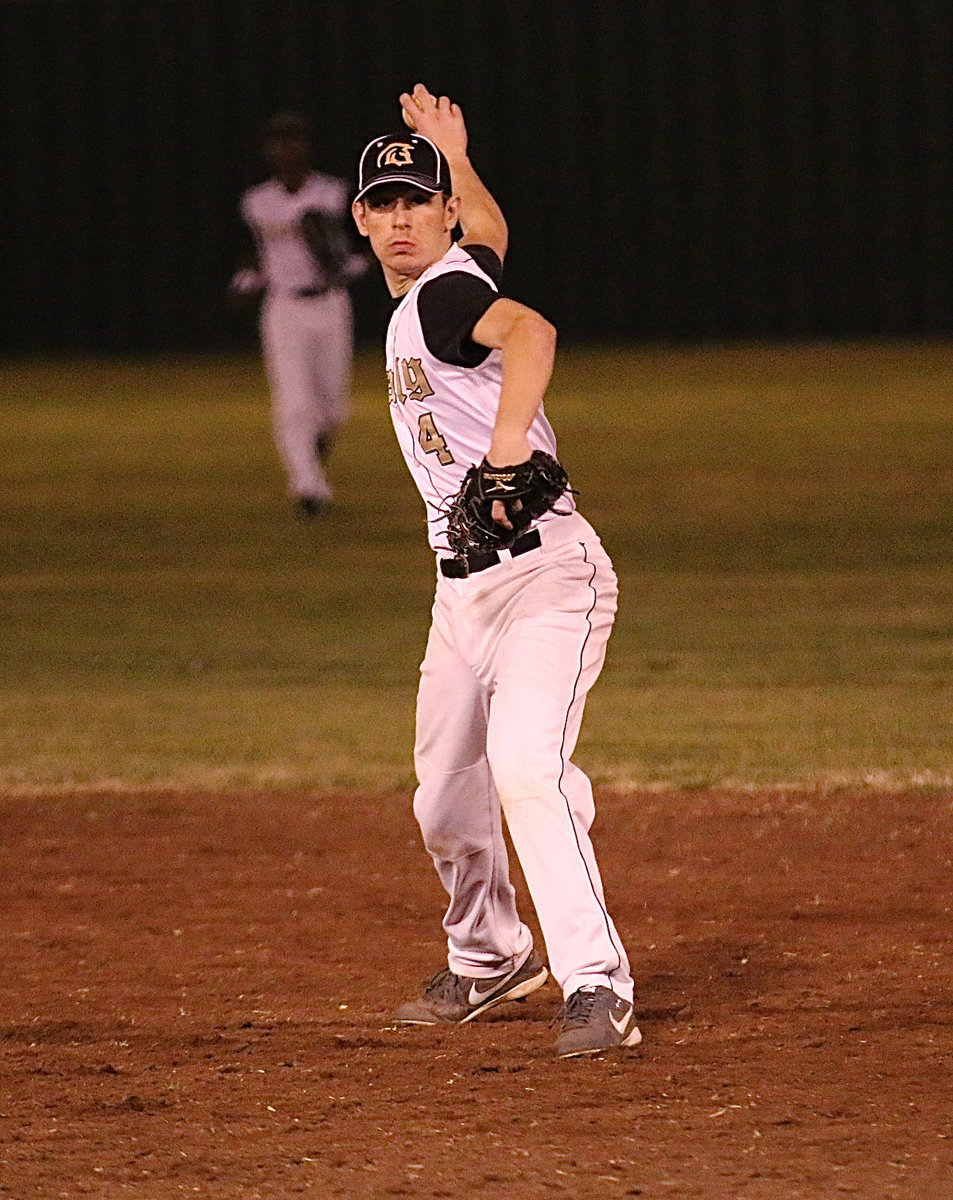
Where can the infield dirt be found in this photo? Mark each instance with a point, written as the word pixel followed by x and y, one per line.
pixel 196 990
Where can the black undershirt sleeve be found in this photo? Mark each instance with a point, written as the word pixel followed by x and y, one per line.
pixel 450 305
pixel 487 260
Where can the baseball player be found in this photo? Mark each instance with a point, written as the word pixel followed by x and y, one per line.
pixel 303 264
pixel 519 632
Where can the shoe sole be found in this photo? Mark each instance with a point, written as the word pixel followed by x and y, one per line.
pixel 519 990
pixel 631 1039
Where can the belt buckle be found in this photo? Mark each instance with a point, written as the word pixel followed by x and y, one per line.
pixel 456 566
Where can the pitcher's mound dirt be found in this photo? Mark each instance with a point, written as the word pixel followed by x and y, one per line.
pixel 195 994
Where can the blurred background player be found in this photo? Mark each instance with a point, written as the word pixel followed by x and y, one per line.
pixel 301 266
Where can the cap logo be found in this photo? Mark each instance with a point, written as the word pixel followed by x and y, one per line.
pixel 396 154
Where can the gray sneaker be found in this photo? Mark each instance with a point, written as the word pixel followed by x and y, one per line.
pixel 594 1019
pixel 450 999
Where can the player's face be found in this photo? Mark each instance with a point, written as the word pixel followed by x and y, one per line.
pixel 287 153
pixel 409 229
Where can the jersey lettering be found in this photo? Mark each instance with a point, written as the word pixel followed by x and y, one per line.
pixel 392 396
pixel 408 381
pixel 432 441
pixel 411 380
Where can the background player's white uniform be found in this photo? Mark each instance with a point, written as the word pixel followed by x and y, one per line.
pixel 306 325
pixel 512 652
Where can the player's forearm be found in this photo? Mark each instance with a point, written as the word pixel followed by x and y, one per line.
pixel 481 218
pixel 528 351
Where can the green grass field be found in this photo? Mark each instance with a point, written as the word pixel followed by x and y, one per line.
pixel 781 520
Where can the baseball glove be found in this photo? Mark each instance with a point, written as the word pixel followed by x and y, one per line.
pixel 327 243
pixel 526 491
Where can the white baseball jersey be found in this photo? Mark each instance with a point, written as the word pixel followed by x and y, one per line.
pixel 274 216
pixel 444 413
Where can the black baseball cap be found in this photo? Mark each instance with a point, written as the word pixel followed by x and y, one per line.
pixel 403 158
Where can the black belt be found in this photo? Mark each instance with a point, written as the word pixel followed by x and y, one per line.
pixel 310 293
pixel 460 568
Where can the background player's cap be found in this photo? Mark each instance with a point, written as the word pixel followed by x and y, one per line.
pixel 288 124
pixel 403 158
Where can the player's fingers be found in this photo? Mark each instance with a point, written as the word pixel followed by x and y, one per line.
pixel 408 106
pixel 444 102
pixel 498 513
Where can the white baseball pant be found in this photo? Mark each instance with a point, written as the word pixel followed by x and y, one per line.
pixel 307 345
pixel 512 653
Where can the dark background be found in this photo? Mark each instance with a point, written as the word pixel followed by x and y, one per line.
pixel 670 168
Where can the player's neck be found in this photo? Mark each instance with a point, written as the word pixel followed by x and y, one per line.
pixel 293 181
pixel 400 285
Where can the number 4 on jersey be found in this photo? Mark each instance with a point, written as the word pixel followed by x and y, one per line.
pixel 432 441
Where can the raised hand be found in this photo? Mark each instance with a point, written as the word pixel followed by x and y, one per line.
pixel 436 118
